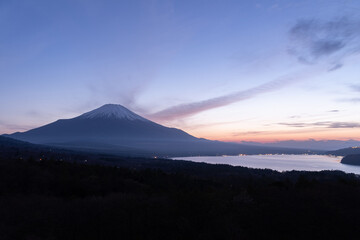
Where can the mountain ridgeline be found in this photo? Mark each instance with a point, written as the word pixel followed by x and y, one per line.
pixel 115 129
pixel 345 151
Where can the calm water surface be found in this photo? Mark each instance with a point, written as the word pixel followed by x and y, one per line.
pixel 281 162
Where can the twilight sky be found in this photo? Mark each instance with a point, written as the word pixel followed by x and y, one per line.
pixel 228 70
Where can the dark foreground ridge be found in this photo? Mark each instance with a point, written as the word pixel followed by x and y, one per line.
pixel 62 196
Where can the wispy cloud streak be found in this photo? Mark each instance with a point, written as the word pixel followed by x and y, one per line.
pixel 314 40
pixel 323 124
pixel 353 100
pixel 355 88
pixel 189 109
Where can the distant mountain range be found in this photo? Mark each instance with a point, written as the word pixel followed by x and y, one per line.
pixel 345 151
pixel 326 145
pixel 115 129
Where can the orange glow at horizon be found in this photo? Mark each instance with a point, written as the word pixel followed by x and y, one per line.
pixel 281 135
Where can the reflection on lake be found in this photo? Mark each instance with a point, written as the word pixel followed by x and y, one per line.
pixel 280 162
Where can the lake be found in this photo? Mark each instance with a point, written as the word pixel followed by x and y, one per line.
pixel 280 162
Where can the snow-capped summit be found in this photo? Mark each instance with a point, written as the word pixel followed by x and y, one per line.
pixel 114 111
pixel 116 130
pixel 111 128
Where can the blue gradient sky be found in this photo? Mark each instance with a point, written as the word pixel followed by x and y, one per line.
pixel 226 70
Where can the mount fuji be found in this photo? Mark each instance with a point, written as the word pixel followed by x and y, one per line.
pixel 115 129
